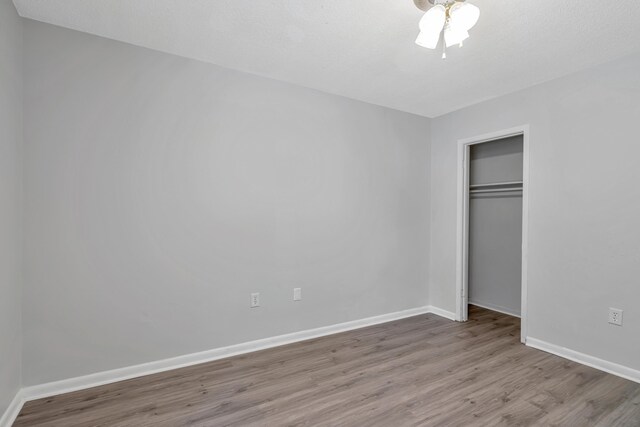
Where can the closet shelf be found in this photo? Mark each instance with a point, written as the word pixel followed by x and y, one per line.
pixel 496 190
pixel 496 187
pixel 496 184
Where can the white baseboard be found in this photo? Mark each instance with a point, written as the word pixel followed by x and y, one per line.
pixel 115 375
pixel 497 308
pixel 13 410
pixel 440 312
pixel 585 359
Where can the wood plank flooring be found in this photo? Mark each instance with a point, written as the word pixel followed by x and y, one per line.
pixel 421 371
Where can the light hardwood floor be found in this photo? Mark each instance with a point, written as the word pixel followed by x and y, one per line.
pixel 421 371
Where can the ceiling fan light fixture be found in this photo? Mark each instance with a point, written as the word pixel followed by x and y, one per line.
pixel 431 26
pixel 454 34
pixel 428 39
pixel 464 15
pixel 451 19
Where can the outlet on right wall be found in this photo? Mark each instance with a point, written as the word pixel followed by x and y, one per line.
pixel 584 205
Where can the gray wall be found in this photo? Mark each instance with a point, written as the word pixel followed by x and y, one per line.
pixel 495 227
pixel 160 192
pixel 584 254
pixel 10 172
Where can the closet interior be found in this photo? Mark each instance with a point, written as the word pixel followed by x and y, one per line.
pixel 495 225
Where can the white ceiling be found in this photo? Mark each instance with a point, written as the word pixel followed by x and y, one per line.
pixel 363 49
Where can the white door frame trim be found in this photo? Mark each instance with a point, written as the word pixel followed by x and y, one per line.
pixel 462 248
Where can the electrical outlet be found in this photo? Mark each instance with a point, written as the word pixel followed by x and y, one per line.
pixel 297 294
pixel 615 316
pixel 255 300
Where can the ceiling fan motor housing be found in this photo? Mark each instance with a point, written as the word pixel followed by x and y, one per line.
pixel 424 5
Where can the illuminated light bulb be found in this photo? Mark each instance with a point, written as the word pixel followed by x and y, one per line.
pixel 464 15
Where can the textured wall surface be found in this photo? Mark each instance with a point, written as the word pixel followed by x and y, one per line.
pixel 10 172
pixel 584 207
pixel 161 192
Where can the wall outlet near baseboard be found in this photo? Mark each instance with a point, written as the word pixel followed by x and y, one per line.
pixel 255 300
pixel 615 316
pixel 297 294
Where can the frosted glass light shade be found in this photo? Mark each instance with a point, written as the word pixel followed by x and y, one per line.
pixel 454 34
pixel 433 19
pixel 431 26
pixel 428 39
pixel 464 15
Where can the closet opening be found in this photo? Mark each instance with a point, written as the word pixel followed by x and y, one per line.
pixel 492 224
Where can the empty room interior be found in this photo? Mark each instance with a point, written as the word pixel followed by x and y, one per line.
pixel 319 213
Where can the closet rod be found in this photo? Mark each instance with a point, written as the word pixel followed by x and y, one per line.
pixel 495 190
pixel 496 184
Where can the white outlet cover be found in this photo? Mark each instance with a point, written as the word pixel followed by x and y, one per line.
pixel 615 316
pixel 255 300
pixel 297 294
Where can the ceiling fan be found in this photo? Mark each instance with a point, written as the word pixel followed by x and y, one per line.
pixel 451 19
